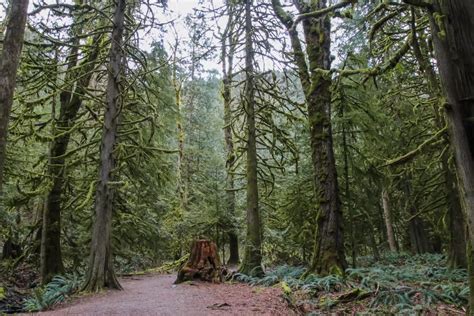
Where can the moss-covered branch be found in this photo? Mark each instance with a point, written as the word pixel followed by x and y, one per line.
pixel 322 12
pixel 435 139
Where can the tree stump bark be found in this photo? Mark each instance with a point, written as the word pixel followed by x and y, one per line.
pixel 203 264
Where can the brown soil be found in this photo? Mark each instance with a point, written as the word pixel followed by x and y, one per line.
pixel 157 295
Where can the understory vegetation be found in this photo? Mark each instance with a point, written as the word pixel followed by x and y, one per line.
pixel 56 291
pixel 396 284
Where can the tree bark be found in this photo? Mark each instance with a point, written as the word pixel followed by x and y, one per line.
pixel 227 70
pixel 9 61
pixel 347 191
pixel 328 254
pixel 182 169
pixel 392 244
pixel 457 230
pixel 419 241
pixel 70 103
pixel 252 262
pixel 452 23
pixel 457 256
pixel 101 270
pixel 181 166
pixel 203 264
pixel 373 241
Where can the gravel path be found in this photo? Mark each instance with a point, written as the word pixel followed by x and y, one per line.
pixel 156 295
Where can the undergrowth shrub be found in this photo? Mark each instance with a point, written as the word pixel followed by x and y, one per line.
pixel 53 293
pixel 398 283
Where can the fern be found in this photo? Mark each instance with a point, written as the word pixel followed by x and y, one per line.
pixel 53 293
pixel 399 283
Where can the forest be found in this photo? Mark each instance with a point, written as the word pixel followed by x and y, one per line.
pixel 318 154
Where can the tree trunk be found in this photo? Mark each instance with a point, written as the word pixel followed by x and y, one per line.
pixel 348 191
pixel 470 270
pixel 328 255
pixel 101 270
pixel 9 60
pixel 457 230
pixel 182 169
pixel 70 103
pixel 388 221
pixel 373 242
pixel 181 177
pixel 454 47
pixel 203 264
pixel 419 241
pixel 452 23
pixel 252 262
pixel 227 70
pixel 457 257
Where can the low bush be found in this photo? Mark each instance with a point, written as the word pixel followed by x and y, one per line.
pixel 53 293
pixel 398 283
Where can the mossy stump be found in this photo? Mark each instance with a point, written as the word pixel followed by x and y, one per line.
pixel 203 264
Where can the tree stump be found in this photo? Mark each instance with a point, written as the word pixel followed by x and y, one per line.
pixel 203 264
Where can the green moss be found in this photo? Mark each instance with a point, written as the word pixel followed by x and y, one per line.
pixel 439 20
pixel 335 269
pixel 2 293
pixel 442 35
pixel 286 288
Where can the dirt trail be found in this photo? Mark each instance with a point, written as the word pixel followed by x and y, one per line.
pixel 156 295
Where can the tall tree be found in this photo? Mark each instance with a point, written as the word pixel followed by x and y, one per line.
pixel 101 270
pixel 181 178
pixel 78 76
pixel 9 60
pixel 457 229
pixel 252 261
pixel 452 23
pixel 227 58
pixel 312 68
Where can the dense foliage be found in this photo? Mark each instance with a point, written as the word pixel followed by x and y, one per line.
pixel 321 148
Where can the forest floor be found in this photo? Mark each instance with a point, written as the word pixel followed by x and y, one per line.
pixel 395 284
pixel 157 295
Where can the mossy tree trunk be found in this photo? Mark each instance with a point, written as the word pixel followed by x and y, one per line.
pixel 387 215
pixel 252 261
pixel 101 270
pixel 451 24
pixel 70 103
pixel 181 166
pixel 347 190
pixel 9 60
pixel 457 223
pixel 230 192
pixel 182 174
pixel 328 255
pixel 228 49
